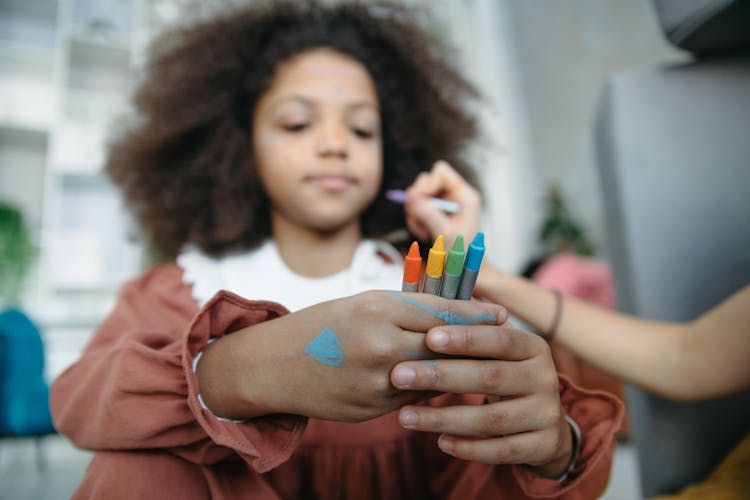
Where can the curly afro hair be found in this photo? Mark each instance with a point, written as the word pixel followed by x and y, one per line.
pixel 186 166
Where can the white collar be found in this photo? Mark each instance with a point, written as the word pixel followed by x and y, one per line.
pixel 261 274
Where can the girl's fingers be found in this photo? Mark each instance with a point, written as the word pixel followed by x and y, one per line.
pixel 419 312
pixel 410 346
pixel 426 220
pixel 532 448
pixel 512 416
pixel 441 178
pixel 468 376
pixel 417 228
pixel 493 343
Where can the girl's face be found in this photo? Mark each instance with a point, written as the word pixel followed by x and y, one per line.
pixel 317 142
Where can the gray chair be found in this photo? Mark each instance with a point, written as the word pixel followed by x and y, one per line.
pixel 673 147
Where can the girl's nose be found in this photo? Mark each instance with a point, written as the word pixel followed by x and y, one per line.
pixel 332 141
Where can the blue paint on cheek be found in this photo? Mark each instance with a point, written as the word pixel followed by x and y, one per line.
pixel 412 353
pixel 447 316
pixel 326 348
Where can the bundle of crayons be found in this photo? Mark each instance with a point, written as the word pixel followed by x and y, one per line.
pixel 451 276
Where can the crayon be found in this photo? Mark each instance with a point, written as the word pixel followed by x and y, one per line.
pixel 471 267
pixel 434 271
pixel 412 269
pixel 453 268
pixel 447 206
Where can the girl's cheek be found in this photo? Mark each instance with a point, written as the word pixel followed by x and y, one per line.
pixel 288 160
pixel 269 139
pixel 278 156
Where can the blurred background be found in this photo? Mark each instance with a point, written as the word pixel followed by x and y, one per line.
pixel 67 68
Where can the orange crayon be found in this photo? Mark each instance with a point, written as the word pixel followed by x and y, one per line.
pixel 412 269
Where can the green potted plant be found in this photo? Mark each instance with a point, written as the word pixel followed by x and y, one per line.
pixel 16 253
pixel 560 232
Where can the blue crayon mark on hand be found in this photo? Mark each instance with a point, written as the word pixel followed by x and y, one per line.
pixel 449 317
pixel 326 348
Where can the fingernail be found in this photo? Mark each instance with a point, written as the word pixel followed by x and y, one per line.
pixel 403 376
pixel 439 338
pixel 445 444
pixel 408 418
pixel 503 316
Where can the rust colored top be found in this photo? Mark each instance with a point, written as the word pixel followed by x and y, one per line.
pixel 132 398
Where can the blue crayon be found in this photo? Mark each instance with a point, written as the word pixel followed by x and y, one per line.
pixel 474 255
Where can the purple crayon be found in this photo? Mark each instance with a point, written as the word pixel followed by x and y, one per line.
pixel 400 196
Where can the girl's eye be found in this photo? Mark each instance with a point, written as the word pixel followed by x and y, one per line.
pixel 363 133
pixel 295 127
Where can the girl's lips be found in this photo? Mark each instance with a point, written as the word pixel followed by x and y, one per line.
pixel 332 182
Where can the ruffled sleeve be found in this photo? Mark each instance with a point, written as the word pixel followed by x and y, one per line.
pixel 597 413
pixel 134 387
pixel 263 442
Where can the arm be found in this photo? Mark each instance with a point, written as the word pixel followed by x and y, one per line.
pixel 426 220
pixel 134 387
pixel 701 359
pixel 523 421
pixel 685 361
pixel 515 370
pixel 329 361
pixel 128 389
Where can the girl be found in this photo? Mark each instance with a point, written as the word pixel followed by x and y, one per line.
pixel 268 137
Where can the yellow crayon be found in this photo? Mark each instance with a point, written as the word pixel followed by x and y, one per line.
pixel 434 270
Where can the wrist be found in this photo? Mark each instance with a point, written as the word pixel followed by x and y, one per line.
pixel 228 375
pixel 560 468
pixel 490 283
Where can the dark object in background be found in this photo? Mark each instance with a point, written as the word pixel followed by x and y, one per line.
pixel 706 27
pixel 674 159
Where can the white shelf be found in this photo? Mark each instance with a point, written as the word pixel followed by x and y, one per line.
pixel 66 74
pixel 28 30
pixel 107 21
pixel 77 148
pixel 26 103
pixel 33 60
pixel 99 68
pixel 22 170
pixel 99 45
pixel 29 22
pixel 100 108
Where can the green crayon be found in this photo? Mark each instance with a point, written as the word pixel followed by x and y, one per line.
pixel 454 266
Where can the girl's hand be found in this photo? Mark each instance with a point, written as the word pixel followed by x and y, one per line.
pixel 332 360
pixel 427 221
pixel 523 421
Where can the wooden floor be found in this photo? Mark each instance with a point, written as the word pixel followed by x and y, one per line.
pixel 20 478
